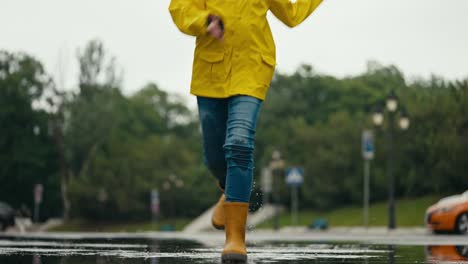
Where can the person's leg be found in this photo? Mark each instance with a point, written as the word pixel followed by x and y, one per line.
pixel 240 135
pixel 213 118
pixel 239 147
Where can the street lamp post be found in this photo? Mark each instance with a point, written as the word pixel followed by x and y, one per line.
pixel 391 176
pixel 391 104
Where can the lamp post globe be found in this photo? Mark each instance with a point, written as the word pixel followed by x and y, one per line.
pixel 392 102
pixel 276 155
pixel 404 121
pixel 378 118
pixel 179 183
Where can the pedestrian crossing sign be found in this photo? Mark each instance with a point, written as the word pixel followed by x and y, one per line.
pixel 295 176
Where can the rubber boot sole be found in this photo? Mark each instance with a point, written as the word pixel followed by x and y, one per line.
pixel 229 258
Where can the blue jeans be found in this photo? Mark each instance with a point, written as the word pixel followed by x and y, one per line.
pixel 228 132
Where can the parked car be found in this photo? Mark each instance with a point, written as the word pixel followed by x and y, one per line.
pixel 7 216
pixel 450 214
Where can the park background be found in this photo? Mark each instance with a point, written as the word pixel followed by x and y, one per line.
pixel 100 140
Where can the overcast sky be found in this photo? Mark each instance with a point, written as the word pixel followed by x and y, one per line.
pixel 421 37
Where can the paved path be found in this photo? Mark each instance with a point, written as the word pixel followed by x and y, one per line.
pixel 403 236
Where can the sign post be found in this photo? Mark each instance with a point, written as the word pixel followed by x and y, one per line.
pixel 38 191
pixel 267 184
pixel 276 168
pixel 368 155
pixel 294 178
pixel 155 205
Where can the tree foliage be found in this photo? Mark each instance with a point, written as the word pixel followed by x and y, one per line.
pixel 114 149
pixel 316 121
pixel 27 156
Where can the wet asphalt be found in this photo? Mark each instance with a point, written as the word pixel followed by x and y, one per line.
pixel 266 247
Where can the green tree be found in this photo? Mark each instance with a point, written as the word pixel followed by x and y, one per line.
pixel 27 157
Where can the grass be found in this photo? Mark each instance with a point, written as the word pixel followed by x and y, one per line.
pixel 409 213
pixel 86 226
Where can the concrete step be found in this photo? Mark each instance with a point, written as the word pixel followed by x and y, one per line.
pixel 203 222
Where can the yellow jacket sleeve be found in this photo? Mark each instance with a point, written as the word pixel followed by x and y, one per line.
pixel 189 16
pixel 293 13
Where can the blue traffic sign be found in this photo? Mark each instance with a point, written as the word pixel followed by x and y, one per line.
pixel 295 176
pixel 368 144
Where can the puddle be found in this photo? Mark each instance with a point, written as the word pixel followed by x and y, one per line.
pixel 158 251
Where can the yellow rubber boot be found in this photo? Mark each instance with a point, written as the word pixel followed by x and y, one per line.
pixel 236 218
pixel 217 219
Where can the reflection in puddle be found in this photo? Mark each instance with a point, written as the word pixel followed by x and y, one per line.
pixel 158 251
pixel 448 254
pixel 282 252
pixel 36 259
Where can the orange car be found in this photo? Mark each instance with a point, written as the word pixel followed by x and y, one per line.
pixel 450 214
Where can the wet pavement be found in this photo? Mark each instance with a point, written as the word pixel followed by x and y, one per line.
pixel 183 249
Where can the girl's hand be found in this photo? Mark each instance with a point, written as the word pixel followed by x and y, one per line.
pixel 215 28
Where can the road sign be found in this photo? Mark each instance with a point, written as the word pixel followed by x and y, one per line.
pixel 38 191
pixel 155 206
pixel 267 180
pixel 368 144
pixel 294 176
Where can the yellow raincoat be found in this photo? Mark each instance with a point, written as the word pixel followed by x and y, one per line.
pixel 242 63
